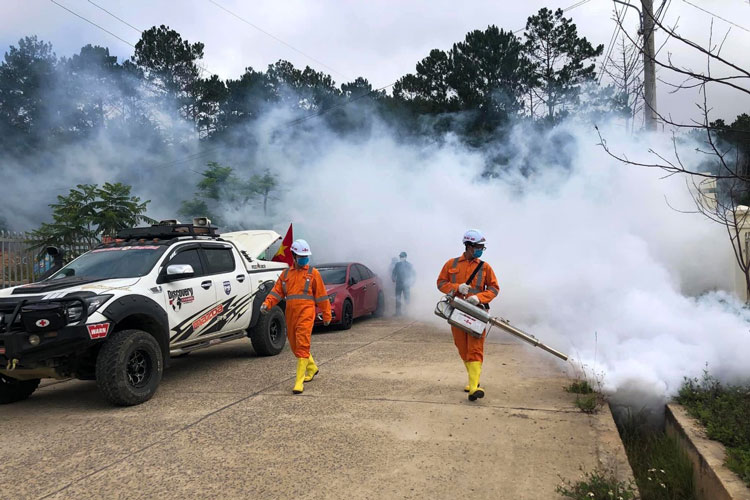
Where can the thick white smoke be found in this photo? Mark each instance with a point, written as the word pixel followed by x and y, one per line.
pixel 589 255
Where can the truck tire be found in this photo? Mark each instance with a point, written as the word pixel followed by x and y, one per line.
pixel 129 367
pixel 12 390
pixel 268 336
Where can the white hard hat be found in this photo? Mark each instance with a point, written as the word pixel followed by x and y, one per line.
pixel 474 236
pixel 300 247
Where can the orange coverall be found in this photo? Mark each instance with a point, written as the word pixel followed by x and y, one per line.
pixel 302 288
pixel 484 286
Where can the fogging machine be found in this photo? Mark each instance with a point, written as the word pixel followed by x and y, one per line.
pixel 475 320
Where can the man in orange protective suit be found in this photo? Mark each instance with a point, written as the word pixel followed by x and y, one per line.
pixel 468 277
pixel 302 288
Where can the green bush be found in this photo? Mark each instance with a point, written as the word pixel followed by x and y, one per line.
pixel 725 412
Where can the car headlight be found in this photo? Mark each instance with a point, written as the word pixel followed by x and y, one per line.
pixel 332 297
pixel 92 304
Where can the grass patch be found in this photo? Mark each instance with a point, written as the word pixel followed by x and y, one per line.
pixel 661 468
pixel 580 387
pixel 588 403
pixel 597 485
pixel 724 410
pixel 588 399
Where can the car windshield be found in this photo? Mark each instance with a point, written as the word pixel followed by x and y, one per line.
pixel 114 262
pixel 333 275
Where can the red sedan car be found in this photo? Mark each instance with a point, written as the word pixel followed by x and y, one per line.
pixel 354 291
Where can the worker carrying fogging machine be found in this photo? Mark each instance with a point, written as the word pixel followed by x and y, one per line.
pixel 469 285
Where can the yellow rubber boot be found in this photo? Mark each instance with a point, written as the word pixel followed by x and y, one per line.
pixel 312 369
pixel 299 385
pixel 466 365
pixel 475 369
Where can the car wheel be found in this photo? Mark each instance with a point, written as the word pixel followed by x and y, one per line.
pixel 380 308
pixel 12 390
pixel 129 367
pixel 347 315
pixel 268 336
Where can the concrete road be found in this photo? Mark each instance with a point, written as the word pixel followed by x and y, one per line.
pixel 386 418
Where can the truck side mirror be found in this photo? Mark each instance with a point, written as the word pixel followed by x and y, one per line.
pixel 179 271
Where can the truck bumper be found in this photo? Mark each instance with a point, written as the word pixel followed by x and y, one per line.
pixel 30 348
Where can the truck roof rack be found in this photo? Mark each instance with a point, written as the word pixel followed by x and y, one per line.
pixel 167 232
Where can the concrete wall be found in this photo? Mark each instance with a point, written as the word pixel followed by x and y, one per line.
pixel 713 481
pixel 742 215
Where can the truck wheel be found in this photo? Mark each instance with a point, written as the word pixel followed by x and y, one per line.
pixel 12 390
pixel 129 367
pixel 268 336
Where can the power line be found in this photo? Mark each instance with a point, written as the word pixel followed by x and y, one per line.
pixel 111 14
pixel 716 16
pixel 611 44
pixel 92 23
pixel 566 9
pixel 660 14
pixel 207 152
pixel 276 38
pixel 147 82
pixel 202 68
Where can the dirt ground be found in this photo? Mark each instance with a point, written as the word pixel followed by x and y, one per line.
pixel 386 418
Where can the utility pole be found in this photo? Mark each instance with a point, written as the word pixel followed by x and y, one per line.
pixel 649 67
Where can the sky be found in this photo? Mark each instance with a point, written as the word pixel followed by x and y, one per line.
pixel 380 40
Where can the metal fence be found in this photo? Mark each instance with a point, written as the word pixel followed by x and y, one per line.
pixel 22 261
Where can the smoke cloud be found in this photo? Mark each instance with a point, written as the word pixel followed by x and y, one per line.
pixel 589 256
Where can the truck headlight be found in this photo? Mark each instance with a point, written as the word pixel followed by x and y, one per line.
pixel 92 304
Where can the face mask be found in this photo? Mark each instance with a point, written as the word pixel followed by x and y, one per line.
pixel 478 252
pixel 303 261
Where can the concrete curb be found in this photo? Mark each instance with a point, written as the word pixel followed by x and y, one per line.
pixel 713 480
pixel 610 450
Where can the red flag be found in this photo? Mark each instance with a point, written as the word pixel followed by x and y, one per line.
pixel 285 254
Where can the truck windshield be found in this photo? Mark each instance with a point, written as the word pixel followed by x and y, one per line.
pixel 114 262
pixel 333 275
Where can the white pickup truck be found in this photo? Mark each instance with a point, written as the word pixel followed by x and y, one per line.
pixel 117 313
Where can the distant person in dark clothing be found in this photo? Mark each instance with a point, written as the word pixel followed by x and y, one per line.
pixel 403 275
